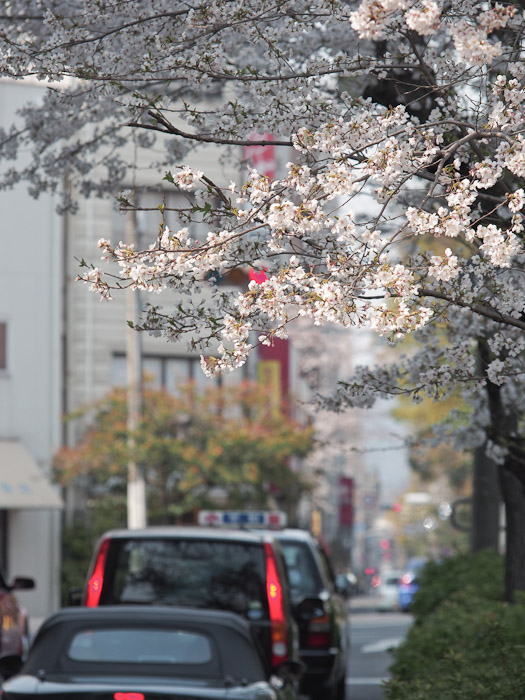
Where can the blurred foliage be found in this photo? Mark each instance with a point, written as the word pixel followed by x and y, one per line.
pixel 191 446
pixel 77 545
pixel 440 469
pixel 430 458
pixel 441 540
pixel 465 642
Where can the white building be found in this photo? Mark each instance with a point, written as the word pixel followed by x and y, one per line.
pixel 30 381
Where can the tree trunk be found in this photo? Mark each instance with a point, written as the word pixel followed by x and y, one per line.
pixel 503 431
pixel 514 499
pixel 486 496
pixel 486 499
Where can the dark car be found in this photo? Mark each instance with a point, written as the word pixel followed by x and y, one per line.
pixel 143 653
pixel 321 611
pixel 14 631
pixel 198 567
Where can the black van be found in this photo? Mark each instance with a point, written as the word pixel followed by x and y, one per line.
pixel 235 570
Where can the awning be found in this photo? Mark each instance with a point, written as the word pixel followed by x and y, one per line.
pixel 22 483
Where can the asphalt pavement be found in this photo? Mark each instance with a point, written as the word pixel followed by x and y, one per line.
pixel 373 634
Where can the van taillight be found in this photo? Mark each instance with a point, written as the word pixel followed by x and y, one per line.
pixel 279 626
pixel 320 633
pixel 94 587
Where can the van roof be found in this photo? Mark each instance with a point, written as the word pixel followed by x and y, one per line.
pixel 189 531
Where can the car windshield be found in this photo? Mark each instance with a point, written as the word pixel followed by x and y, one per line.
pixel 139 646
pixel 302 571
pixel 215 574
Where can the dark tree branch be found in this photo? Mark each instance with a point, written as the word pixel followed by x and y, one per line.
pixel 166 127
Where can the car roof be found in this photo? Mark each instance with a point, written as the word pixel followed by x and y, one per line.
pixel 189 531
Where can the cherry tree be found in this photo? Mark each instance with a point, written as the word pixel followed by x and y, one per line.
pixel 400 209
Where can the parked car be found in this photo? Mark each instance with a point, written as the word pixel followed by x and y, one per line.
pixel 408 583
pixel 321 611
pixel 14 620
pixel 387 592
pixel 199 567
pixel 145 652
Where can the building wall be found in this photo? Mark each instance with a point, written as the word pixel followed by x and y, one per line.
pixel 30 288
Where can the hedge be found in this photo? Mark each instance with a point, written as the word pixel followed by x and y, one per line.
pixel 465 642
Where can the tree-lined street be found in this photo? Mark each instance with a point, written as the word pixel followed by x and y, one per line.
pixel 397 205
pixel 226 177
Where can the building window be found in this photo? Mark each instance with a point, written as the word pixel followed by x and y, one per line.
pixel 173 372
pixel 3 346
pixel 163 372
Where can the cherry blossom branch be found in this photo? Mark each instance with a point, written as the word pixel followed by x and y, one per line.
pixel 169 128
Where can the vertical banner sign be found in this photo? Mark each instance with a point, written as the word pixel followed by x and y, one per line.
pixel 269 377
pixel 274 372
pixel 346 501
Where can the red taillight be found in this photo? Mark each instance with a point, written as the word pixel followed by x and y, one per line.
pixel 129 696
pixel 406 579
pixel 94 587
pixel 320 633
pixel 276 606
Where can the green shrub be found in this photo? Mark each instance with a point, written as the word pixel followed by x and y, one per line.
pixel 484 571
pixel 466 643
pixel 468 648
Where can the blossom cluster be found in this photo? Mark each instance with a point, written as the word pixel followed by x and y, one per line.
pixel 402 201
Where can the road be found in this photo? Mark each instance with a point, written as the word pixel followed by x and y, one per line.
pixel 372 634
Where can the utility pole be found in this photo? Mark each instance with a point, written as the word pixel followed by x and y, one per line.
pixel 136 488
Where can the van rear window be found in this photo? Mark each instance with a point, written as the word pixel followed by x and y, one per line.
pixel 216 574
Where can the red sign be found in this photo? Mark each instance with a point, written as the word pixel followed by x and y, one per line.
pixel 346 501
